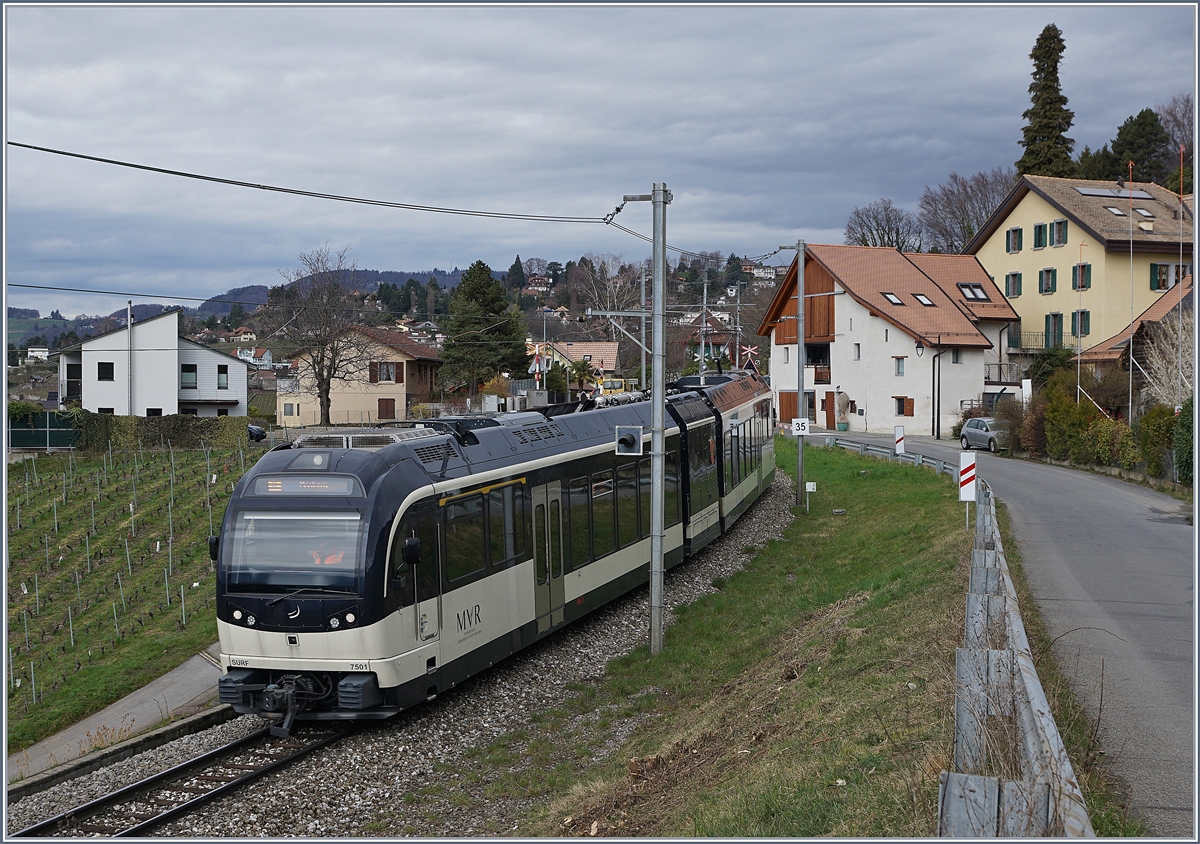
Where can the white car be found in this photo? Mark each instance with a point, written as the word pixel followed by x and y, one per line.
pixel 980 433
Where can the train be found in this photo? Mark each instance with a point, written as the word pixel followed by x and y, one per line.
pixel 360 572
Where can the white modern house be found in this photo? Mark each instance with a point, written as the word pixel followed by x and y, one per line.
pixel 149 370
pixel 910 339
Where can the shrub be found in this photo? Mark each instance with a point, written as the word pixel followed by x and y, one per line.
pixel 1010 418
pixel 1156 434
pixel 1065 424
pixel 975 411
pixel 1183 442
pixel 23 411
pixel 1032 433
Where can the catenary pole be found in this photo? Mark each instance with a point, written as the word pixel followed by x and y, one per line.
pixel 661 196
pixel 801 409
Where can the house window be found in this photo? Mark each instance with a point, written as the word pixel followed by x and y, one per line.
pixel 956 355
pixel 1012 285
pixel 153 411
pixel 1166 276
pixel 974 292
pixel 924 300
pixel 187 411
pixel 222 411
pixel 1081 277
pixel 885 335
pixel 104 371
pixel 1039 236
pixel 290 409
pixel 222 376
pixel 187 377
pixel 1047 280
pixel 1081 323
pixel 893 298
pixel 1144 213
pixel 899 365
pixel 387 409
pixel 785 354
pixel 1012 240
pixel 1054 331
pixel 857 351
pixel 905 405
pixel 1115 210
pixel 107 411
pixel 383 371
pixel 1058 233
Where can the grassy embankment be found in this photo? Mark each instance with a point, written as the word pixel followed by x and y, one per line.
pixel 63 580
pixel 812 696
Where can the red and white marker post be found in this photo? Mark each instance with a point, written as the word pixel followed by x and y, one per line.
pixel 899 440
pixel 966 481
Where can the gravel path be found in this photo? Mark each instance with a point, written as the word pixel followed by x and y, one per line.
pixel 390 779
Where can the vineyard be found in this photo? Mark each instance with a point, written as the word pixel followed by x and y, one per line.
pixel 109 580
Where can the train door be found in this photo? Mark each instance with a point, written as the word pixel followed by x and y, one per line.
pixel 548 555
pixel 427 579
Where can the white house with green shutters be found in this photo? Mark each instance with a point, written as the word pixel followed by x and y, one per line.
pixel 1076 257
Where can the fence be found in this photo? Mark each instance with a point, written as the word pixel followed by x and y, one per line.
pixel 1011 774
pixel 42 431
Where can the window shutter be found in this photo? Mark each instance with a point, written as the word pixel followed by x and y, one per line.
pixel 373 372
pixel 1053 280
pixel 1008 239
pixel 908 407
pixel 1087 276
pixel 1075 323
pixel 1075 277
pixel 400 371
pixel 1018 287
pixel 1154 276
pixel 1049 331
pixel 1019 231
pixel 1086 319
pixel 1062 234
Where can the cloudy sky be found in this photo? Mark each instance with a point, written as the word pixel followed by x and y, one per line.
pixel 768 124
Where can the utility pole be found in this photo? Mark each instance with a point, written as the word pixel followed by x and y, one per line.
pixel 661 197
pixel 801 409
pixel 642 376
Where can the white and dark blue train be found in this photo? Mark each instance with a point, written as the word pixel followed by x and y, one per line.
pixel 361 572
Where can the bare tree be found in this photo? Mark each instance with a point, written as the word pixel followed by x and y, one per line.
pixel 316 309
pixel 606 283
pixel 883 224
pixel 953 212
pixel 535 266
pixel 1167 358
pixel 1177 116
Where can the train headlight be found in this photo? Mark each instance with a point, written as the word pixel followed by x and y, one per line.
pixel 334 623
pixel 250 620
pixel 349 618
pixel 237 615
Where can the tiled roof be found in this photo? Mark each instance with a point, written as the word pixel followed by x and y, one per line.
pixel 1090 212
pixel 867 272
pixel 1112 348
pixel 606 351
pixel 948 271
pixel 400 343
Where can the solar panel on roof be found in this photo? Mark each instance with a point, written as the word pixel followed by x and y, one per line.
pixel 1110 192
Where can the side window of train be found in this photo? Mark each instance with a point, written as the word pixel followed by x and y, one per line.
pixel 420 526
pixel 603 513
pixel 644 484
pixel 466 553
pixel 627 504
pixel 671 514
pixel 580 529
pixel 506 523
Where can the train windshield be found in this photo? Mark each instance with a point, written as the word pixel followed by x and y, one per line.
pixel 274 551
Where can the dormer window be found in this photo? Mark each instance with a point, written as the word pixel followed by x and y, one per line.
pixel 1144 213
pixel 893 298
pixel 1115 210
pixel 924 300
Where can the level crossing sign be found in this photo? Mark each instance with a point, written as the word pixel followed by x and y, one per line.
pixel 966 476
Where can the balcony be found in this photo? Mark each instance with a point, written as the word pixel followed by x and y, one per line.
pixel 1002 373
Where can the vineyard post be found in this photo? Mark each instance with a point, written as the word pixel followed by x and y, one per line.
pixel 182 606
pixel 19 514
pixel 120 586
pixel 36 482
pixel 116 625
pixel 167 587
pixel 25 615
pixel 37 595
pixel 87 544
pixel 64 480
pixel 55 503
pixel 93 517
pixel 170 539
pixel 47 554
pixel 128 564
pixel 71 624
pixel 78 590
pixel 33 683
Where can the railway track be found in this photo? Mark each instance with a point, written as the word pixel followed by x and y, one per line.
pixel 141 806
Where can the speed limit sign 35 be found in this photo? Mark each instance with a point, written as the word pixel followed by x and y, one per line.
pixel 800 427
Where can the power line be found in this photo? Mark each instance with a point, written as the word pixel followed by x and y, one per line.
pixel 432 209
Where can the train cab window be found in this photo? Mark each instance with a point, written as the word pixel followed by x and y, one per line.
pixel 580 526
pixel 465 550
pixel 644 488
pixel 603 513
pixel 627 504
pixel 506 523
pixel 424 580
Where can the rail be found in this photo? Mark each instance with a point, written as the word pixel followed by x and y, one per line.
pixel 1011 773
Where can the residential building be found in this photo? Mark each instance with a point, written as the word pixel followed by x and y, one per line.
pixel 259 358
pixel 242 334
pixel 150 370
pixel 37 353
pixel 908 338
pixel 1078 258
pixel 604 354
pixel 400 373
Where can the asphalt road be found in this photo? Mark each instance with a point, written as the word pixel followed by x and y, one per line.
pixel 1111 566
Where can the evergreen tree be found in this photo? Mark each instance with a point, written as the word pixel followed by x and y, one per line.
pixel 1047 148
pixel 1143 140
pixel 516 274
pixel 236 315
pixel 485 335
pixel 1101 164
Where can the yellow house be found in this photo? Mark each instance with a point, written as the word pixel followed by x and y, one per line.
pixel 1078 258
pixel 397 373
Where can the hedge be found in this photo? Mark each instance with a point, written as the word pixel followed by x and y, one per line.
pixel 96 430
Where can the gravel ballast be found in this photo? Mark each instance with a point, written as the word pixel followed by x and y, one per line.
pixel 396 770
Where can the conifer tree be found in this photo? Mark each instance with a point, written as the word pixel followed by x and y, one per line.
pixel 1047 148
